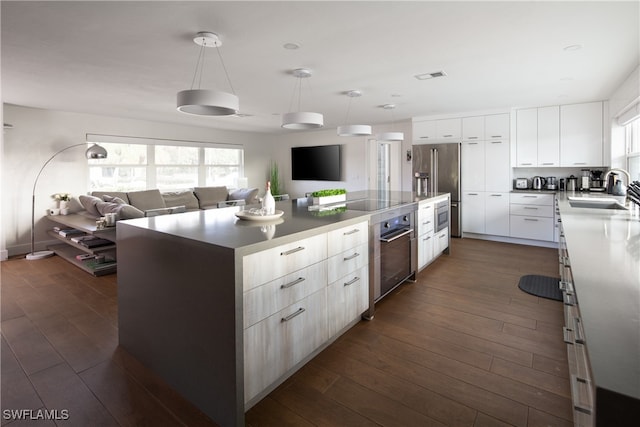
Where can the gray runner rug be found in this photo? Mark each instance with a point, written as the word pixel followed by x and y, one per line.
pixel 541 286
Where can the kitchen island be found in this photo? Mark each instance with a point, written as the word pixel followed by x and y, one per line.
pixel 224 309
pixel 603 265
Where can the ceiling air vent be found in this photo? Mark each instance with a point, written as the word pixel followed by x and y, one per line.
pixel 428 76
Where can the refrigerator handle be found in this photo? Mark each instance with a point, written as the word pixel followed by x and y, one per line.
pixel 434 170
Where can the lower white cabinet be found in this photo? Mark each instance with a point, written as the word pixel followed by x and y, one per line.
pixel 425 249
pixel 347 295
pixel 473 216
pixel 441 241
pixel 496 214
pixel 532 216
pixel 277 343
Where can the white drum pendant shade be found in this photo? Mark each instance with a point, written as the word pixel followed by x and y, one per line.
pixel 390 136
pixel 302 120
pixel 203 102
pixel 354 130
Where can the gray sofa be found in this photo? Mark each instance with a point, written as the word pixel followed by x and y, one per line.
pixel 138 204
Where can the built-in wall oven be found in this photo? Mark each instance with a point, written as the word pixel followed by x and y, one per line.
pixel 393 255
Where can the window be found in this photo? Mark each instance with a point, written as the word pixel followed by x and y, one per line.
pixel 140 163
pixel 632 138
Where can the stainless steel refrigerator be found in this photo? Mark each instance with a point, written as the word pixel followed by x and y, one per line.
pixel 442 164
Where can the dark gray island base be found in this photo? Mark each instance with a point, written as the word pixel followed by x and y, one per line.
pixel 225 309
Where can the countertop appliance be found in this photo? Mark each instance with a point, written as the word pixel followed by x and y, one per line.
pixel 521 184
pixel 538 182
pixel 552 183
pixel 572 183
pixel 585 180
pixel 442 163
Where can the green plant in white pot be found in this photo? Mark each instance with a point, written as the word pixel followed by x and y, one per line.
pixel 324 197
pixel 274 178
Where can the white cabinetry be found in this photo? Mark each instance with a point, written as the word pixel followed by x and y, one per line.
pixel 296 297
pixel 486 177
pixel 426 218
pixel 532 216
pixel 473 128
pixel 538 137
pixel 449 129
pixel 424 132
pixel 581 134
pixel 441 241
pixel 443 130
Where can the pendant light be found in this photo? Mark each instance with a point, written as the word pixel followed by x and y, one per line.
pixel 390 136
pixel 353 130
pixel 204 102
pixel 301 120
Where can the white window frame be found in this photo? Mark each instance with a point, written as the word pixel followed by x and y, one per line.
pixel 151 166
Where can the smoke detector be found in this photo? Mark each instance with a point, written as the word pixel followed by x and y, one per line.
pixel 428 76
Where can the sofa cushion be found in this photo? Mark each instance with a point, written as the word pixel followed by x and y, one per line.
pixel 108 196
pixel 89 203
pixel 209 197
pixel 249 195
pixel 146 199
pixel 181 198
pixel 122 210
pixel 114 199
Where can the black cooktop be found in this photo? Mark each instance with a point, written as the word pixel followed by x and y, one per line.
pixel 370 205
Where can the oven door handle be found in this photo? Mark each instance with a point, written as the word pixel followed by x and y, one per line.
pixel 404 233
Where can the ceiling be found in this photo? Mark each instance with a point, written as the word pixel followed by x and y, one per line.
pixel 129 59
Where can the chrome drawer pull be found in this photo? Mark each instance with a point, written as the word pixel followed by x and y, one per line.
pixel 496 136
pixel 292 251
pixel 292 315
pixel 295 282
pixel 426 222
pixel 530 197
pixel 354 231
pixel 349 258
pixel 568 299
pixel 531 219
pixel 526 164
pixel 352 281
pixel 426 238
pixel 530 207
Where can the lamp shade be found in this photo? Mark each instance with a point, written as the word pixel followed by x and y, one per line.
pixel 354 130
pixel 302 120
pixel 204 102
pixel 96 152
pixel 390 136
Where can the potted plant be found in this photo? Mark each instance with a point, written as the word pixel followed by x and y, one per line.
pixel 323 197
pixel 63 202
pixel 274 177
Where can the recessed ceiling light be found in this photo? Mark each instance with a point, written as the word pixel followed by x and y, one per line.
pixel 291 46
pixel 572 48
pixel 428 76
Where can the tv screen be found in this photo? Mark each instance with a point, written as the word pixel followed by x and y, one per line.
pixel 321 163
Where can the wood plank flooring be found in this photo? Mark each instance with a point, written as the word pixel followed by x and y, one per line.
pixel 463 346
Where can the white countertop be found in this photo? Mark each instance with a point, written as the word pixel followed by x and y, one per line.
pixel 604 249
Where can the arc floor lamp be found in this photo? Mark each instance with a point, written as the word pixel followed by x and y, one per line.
pixel 93 152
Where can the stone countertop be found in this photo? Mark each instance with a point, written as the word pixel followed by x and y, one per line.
pixel 604 250
pixel 221 227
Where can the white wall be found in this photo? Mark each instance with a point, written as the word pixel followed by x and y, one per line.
pixel 355 159
pixel 625 94
pixel 37 134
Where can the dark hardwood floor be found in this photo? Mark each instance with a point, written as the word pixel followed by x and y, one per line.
pixel 463 346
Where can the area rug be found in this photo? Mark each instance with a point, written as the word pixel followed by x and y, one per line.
pixel 541 286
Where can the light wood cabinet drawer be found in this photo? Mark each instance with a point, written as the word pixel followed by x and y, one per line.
pixel 532 199
pixel 530 227
pixel 348 298
pixel 279 342
pixel 347 262
pixel 262 267
pixel 531 210
pixel 346 238
pixel 265 300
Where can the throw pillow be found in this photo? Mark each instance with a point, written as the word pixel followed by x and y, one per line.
pixel 181 198
pixel 89 203
pixel 146 199
pixel 123 211
pixel 114 199
pixel 249 195
pixel 210 196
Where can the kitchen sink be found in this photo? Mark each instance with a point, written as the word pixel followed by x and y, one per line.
pixel 596 203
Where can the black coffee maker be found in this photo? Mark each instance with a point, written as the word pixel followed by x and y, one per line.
pixel 597 183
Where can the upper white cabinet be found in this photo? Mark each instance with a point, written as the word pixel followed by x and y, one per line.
pixel 497 170
pixel 581 134
pixel 473 128
pixel 472 165
pixel 555 136
pixel 549 136
pixel 538 137
pixel 449 129
pixel 424 132
pixel 496 126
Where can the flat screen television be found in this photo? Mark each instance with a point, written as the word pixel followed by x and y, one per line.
pixel 318 163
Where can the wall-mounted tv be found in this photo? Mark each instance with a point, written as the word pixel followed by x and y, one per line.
pixel 318 163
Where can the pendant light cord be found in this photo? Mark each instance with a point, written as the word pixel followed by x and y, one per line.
pixel 200 68
pixel 226 73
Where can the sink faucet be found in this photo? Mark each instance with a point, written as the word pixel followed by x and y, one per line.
pixel 624 172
